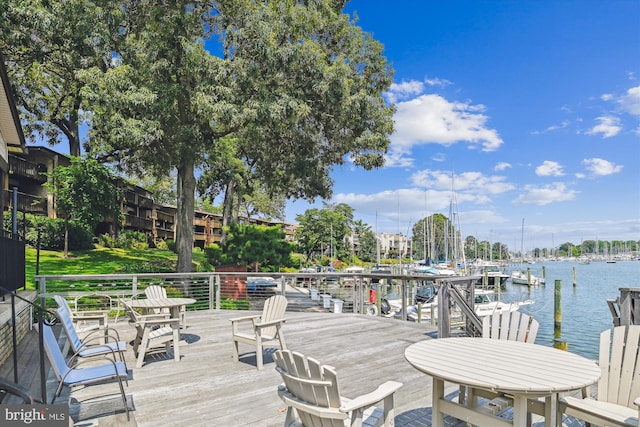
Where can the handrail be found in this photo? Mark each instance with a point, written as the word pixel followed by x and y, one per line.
pixel 466 308
pixel 50 319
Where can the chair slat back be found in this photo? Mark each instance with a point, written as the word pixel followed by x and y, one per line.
pixel 155 291
pixel 56 358
pixel 312 383
pixel 67 324
pixel 514 326
pixel 620 365
pixel 274 309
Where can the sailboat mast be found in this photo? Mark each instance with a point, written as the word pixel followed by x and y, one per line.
pixel 522 243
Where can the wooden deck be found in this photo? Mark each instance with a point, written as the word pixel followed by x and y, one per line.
pixel 206 388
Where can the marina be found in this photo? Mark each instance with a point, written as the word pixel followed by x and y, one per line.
pixel 584 308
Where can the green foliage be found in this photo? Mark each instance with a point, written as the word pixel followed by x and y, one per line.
pixel 106 241
pixel 51 232
pixel 162 245
pixel 322 231
pixel 85 192
pixel 231 304
pixel 151 266
pixel 44 74
pixel 251 244
pixel 131 240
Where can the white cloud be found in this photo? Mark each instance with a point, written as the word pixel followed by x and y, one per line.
pixel 502 166
pixel 431 119
pixel 549 168
pixel 609 126
pixel 439 157
pixel 466 182
pixel 556 192
pixel 437 82
pixel 630 102
pixel 601 167
pixel 404 90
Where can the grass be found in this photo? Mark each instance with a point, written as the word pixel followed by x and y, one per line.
pixel 106 261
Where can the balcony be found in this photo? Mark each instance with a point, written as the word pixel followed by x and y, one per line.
pixel 141 224
pixel 26 203
pixel 19 167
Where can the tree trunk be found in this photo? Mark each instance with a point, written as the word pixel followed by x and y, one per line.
pixel 74 137
pixel 66 239
pixel 227 209
pixel 185 213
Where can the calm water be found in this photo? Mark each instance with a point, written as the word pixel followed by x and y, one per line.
pixel 584 308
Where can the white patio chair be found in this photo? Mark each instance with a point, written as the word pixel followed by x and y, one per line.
pixel 311 392
pixel 74 376
pixel 265 327
pixel 80 318
pixel 85 347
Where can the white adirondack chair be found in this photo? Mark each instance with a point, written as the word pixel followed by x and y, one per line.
pixel 618 398
pixel 158 292
pixel 312 395
pixel 151 331
pixel 513 325
pixel 265 327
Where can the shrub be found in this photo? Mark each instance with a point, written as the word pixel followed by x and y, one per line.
pixel 153 266
pixel 132 240
pixel 106 241
pixel 232 304
pixel 162 245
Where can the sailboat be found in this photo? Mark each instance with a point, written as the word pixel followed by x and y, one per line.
pixel 524 277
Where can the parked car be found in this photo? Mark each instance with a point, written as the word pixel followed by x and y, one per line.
pixel 260 283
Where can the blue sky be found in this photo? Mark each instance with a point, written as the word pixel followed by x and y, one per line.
pixel 532 106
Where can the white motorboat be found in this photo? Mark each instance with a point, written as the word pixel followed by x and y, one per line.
pixel 492 275
pixel 524 277
pixel 486 304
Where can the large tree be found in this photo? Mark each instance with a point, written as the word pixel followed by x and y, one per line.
pixel 298 83
pixel 323 231
pixel 45 44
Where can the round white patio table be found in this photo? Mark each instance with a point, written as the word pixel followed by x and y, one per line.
pixel 520 369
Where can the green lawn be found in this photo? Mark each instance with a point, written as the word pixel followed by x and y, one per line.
pixel 106 261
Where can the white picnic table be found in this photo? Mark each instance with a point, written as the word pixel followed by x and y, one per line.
pixel 523 370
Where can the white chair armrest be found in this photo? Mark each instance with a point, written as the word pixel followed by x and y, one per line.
pixel 372 398
pixel 270 323
pixel 240 319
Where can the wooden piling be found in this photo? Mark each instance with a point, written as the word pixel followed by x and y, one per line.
pixel 558 342
pixel 575 277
